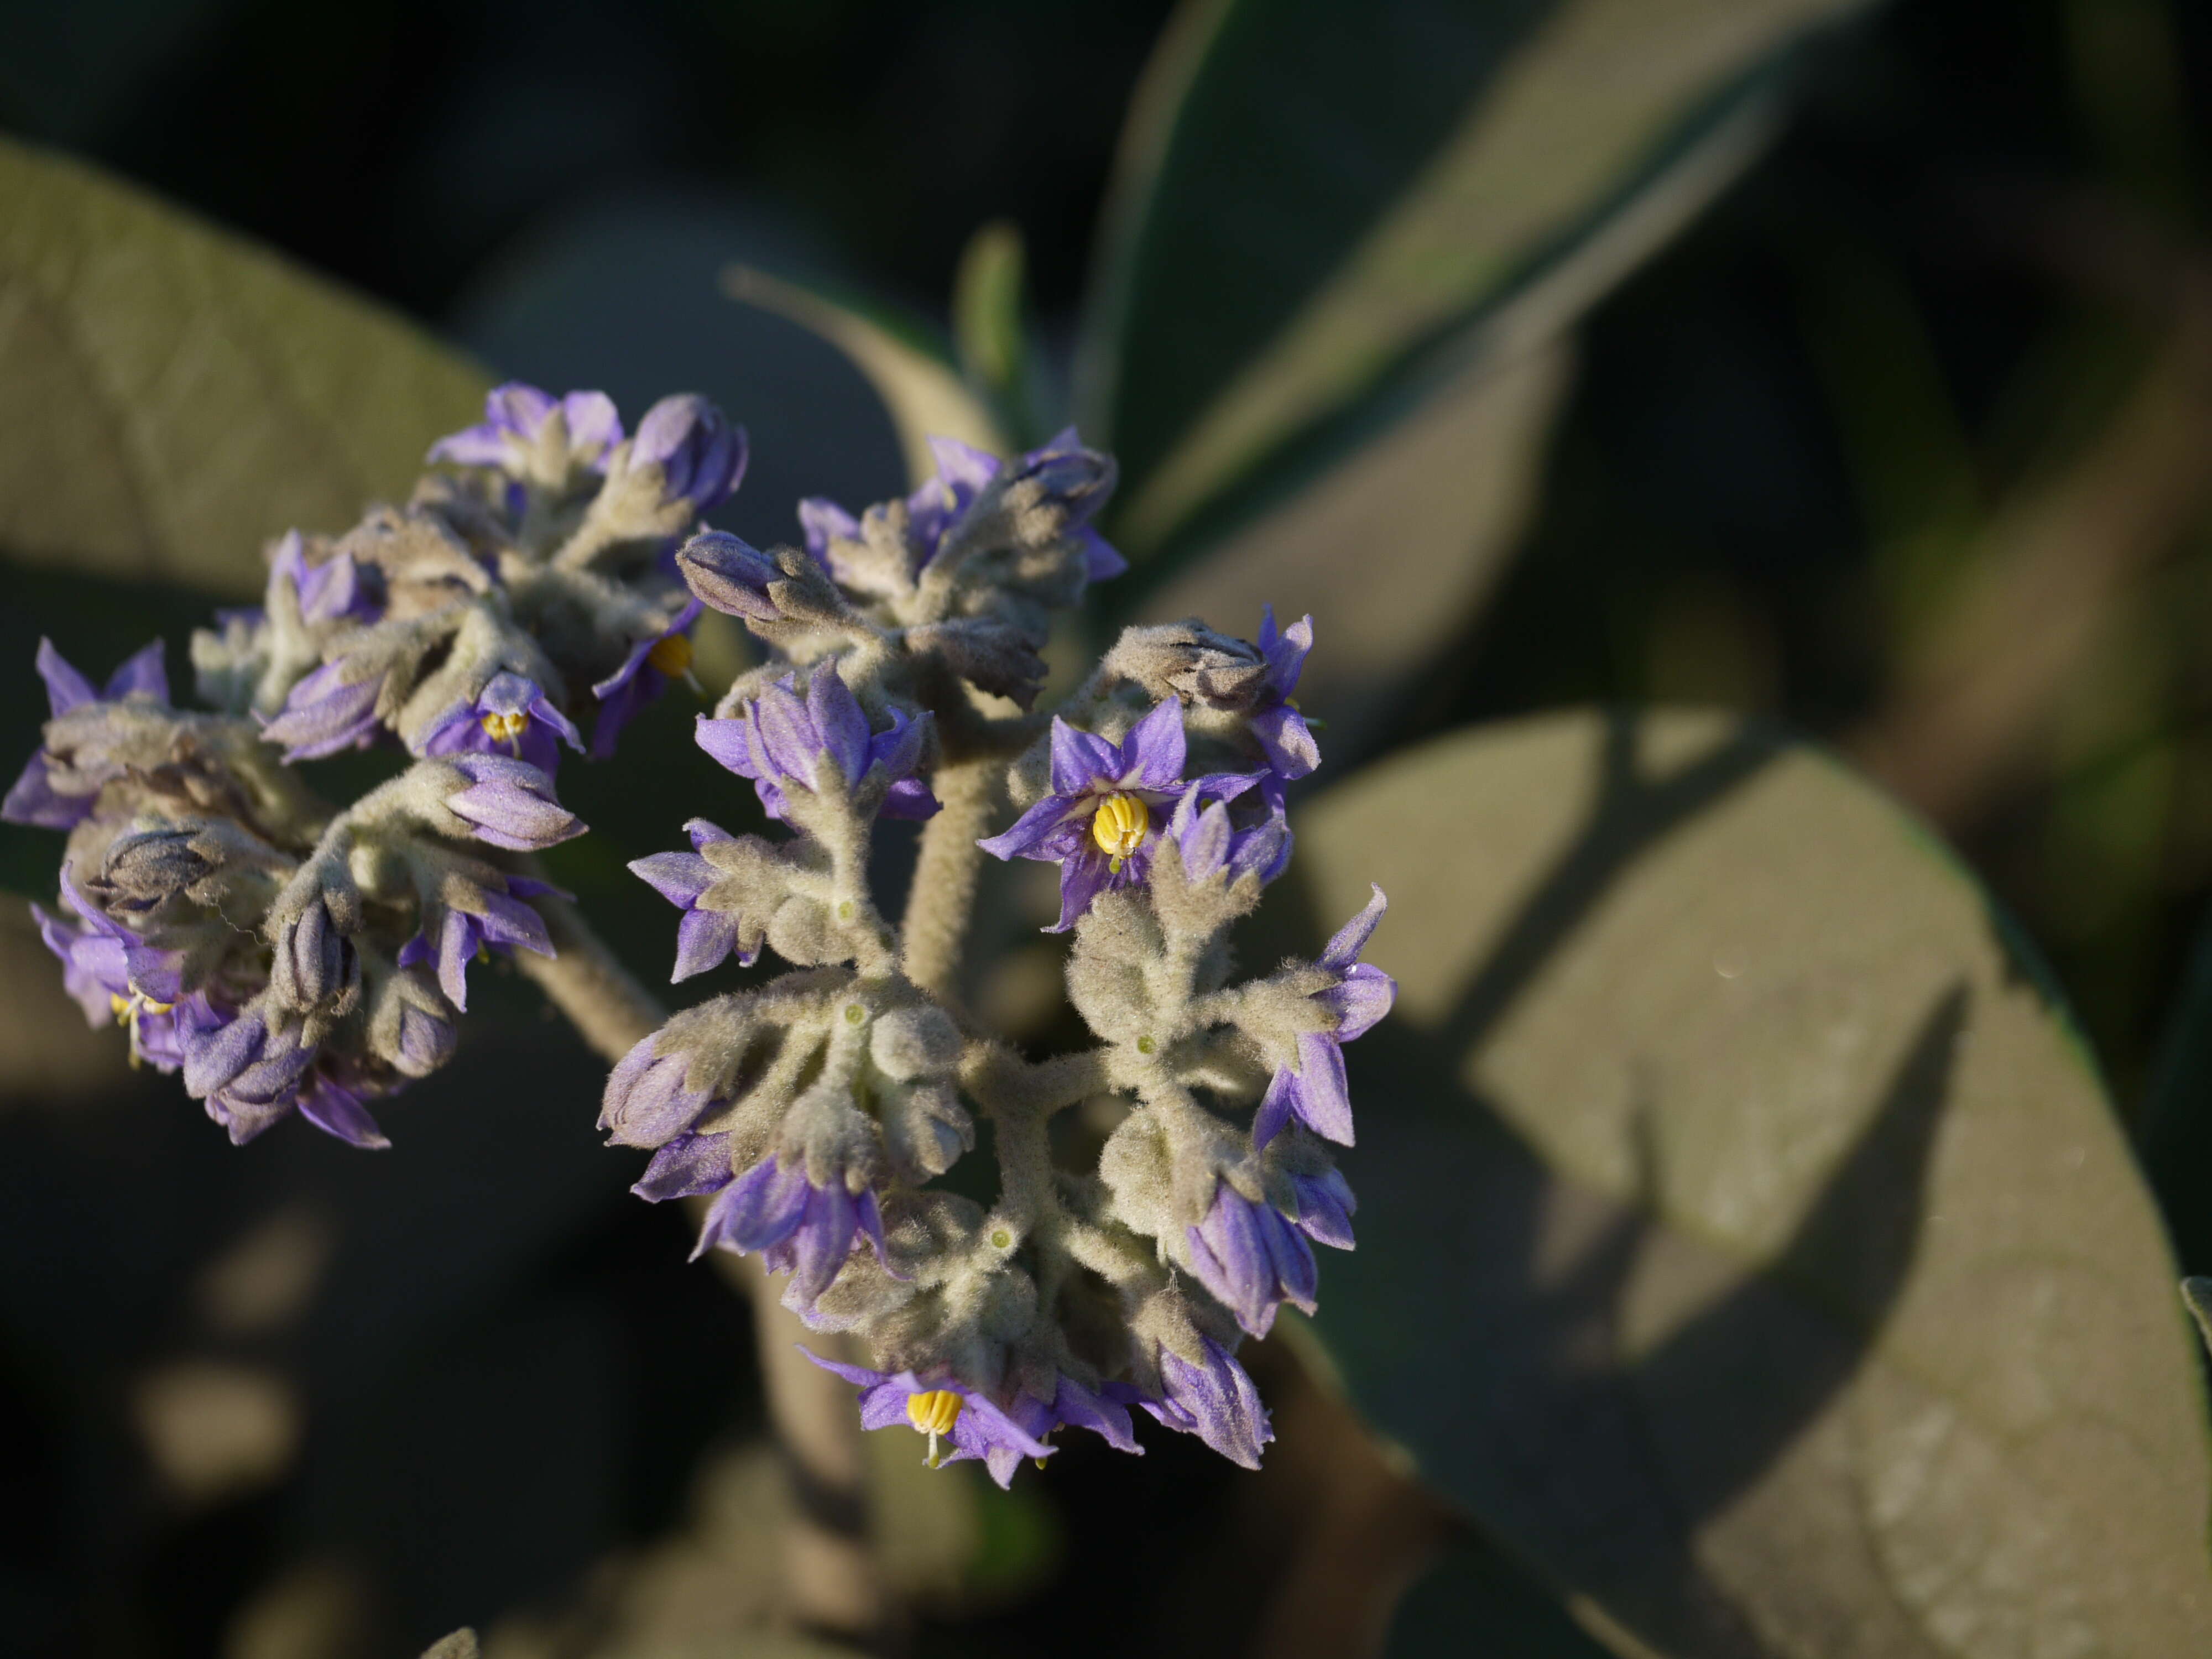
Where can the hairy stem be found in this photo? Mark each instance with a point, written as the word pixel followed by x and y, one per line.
pixel 830 1574
pixel 943 896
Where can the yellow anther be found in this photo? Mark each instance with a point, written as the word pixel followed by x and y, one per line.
pixel 671 656
pixel 505 728
pixel 148 1005
pixel 933 1415
pixel 1119 829
pixel 121 1005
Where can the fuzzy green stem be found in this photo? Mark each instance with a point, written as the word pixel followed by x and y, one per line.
pixel 943 897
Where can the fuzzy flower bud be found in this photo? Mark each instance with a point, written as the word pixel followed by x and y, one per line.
pixel 701 455
pixel 510 804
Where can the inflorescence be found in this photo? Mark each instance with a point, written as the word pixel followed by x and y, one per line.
pixel 285 953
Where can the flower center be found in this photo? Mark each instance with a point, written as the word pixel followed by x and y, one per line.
pixel 505 728
pixel 671 656
pixel 933 1413
pixel 1119 826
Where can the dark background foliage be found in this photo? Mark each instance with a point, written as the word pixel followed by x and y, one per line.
pixel 1844 393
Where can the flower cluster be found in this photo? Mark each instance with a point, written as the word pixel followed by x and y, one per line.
pixel 281 954
pixel 527 581
pixel 813 1115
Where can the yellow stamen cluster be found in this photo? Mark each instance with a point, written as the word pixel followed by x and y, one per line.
pixel 127 1010
pixel 505 728
pixel 1120 827
pixel 933 1413
pixel 671 656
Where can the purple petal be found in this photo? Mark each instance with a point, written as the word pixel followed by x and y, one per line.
pixel 594 426
pixel 784 735
pixel 1325 1208
pixel 32 800
pixel 1351 938
pixel 338 1111
pixel 1030 828
pixel 909 798
pixel 1084 875
pixel 1277 1107
pixel 66 689
pixel 685 1167
pixel 1101 560
pixel 1215 1401
pixel 822 520
pixel 704 939
pixel 1080 758
pixel 729 742
pixel 1323 1105
pixel 1288 744
pixel 679 878
pixel 1285 650
pixel 1152 755
pixel 142 675
pixel 963 466
pixel 835 716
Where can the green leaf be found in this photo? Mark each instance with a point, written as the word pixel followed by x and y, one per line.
pixel 1742 1238
pixel 903 359
pixel 988 325
pixel 177 397
pixel 1300 210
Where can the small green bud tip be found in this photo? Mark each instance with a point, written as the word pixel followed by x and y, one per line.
pixel 1001 1238
pixel 855 1013
pixel 1145 1045
pixel 844 909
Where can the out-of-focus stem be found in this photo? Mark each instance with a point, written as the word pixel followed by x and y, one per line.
pixel 831 1580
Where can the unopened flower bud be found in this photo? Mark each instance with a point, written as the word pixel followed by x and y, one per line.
pixel 731 574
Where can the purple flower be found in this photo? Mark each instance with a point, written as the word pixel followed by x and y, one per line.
pixel 1079 477
pixel 1105 1414
pixel 1312 1090
pixel 647 1103
pixel 642 678
pixel 1277 723
pixel 504 924
pixel 798 1227
pixel 248 1074
pixel 701 456
pixel 1096 824
pixel 1252 1259
pixel 113 974
pixel 1213 835
pixel 704 939
pixel 326 712
pixel 33 799
pixel 781 739
pixel 510 804
pixel 515 415
pixel 512 715
pixel 689 1166
pixel 731 573
pixel 1214 1400
pixel 943 1409
pixel 333 591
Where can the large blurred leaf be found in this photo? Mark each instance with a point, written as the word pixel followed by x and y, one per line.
pixel 1744 1236
pixel 1304 202
pixel 171 397
pixel 2177 1120
pixel 908 367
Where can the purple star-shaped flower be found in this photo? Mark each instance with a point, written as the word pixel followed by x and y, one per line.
pixel 33 799
pixel 326 712
pixel 1098 823
pixel 643 676
pixel 944 1408
pixel 509 802
pixel 1312 1089
pixel 798 1227
pixel 1213 1398
pixel 962 473
pixel 505 923
pixel 704 939
pixel 512 715
pixel 782 738
pixel 514 417
pixel 1277 723
pixel 1234 823
pixel 1251 1256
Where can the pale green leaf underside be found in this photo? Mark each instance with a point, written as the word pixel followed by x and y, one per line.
pixel 1582 110
pixel 1742 1238
pixel 920 386
pixel 171 398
